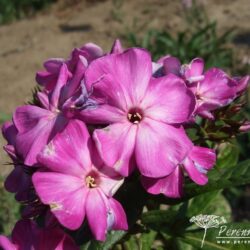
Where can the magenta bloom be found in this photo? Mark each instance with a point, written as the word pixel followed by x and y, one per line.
pixel 196 164
pixel 116 47
pixel 76 184
pixel 26 235
pixel 59 101
pixel 145 114
pixel 192 72
pixel 76 64
pixel 213 89
pixel 19 180
pixel 245 127
pixel 9 132
pixel 36 126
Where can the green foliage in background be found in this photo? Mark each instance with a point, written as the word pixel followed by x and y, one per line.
pixel 203 42
pixel 4 117
pixel 9 210
pixel 11 10
pixel 168 226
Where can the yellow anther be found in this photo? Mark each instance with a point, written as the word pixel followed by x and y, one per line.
pixel 90 182
pixel 129 116
pixel 55 206
pixel 138 115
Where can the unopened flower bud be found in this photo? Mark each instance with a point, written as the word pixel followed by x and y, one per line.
pixel 245 127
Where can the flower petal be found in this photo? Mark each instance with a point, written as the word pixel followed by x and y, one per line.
pixel 69 151
pixel 6 244
pixel 71 86
pixel 23 233
pixel 195 175
pixel 55 238
pixel 194 70
pixel 160 147
pixel 115 145
pixel 43 99
pixel 64 194
pixel 101 114
pixel 205 157
pixel 92 51
pixel 119 219
pixel 9 132
pixel 121 78
pixel 168 100
pixel 53 65
pixel 46 79
pixel 241 84
pixel 56 92
pixel 172 65
pixel 27 116
pixel 216 86
pixel 97 212
pixel 36 128
pixel 110 181
pixel 30 143
pixel 170 186
pixel 116 47
pixel 18 181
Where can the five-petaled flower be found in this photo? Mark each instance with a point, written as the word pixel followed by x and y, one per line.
pixel 75 183
pixel 145 114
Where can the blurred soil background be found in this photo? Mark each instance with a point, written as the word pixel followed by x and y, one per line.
pixel 64 24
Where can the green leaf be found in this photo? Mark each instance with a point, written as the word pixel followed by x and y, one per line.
pixel 179 215
pixel 147 239
pixel 228 155
pixel 112 238
pixel 131 243
pixel 181 245
pixel 175 221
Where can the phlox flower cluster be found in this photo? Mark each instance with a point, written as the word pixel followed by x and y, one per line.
pixel 98 118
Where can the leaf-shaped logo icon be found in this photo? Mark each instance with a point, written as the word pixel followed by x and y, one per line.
pixel 207 221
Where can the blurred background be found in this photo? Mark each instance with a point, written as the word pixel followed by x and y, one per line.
pixel 32 31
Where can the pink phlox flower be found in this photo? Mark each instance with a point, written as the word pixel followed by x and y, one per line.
pixel 27 235
pixel 36 126
pixel 245 126
pixel 76 184
pixel 213 88
pixel 80 58
pixel 145 114
pixel 19 179
pixel 198 162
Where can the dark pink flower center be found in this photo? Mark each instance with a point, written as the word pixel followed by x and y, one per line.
pixel 92 180
pixel 135 115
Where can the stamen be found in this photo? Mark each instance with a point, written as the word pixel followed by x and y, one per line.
pixel 135 115
pixel 55 206
pixel 90 182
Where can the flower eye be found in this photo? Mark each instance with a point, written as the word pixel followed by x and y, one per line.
pixel 135 115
